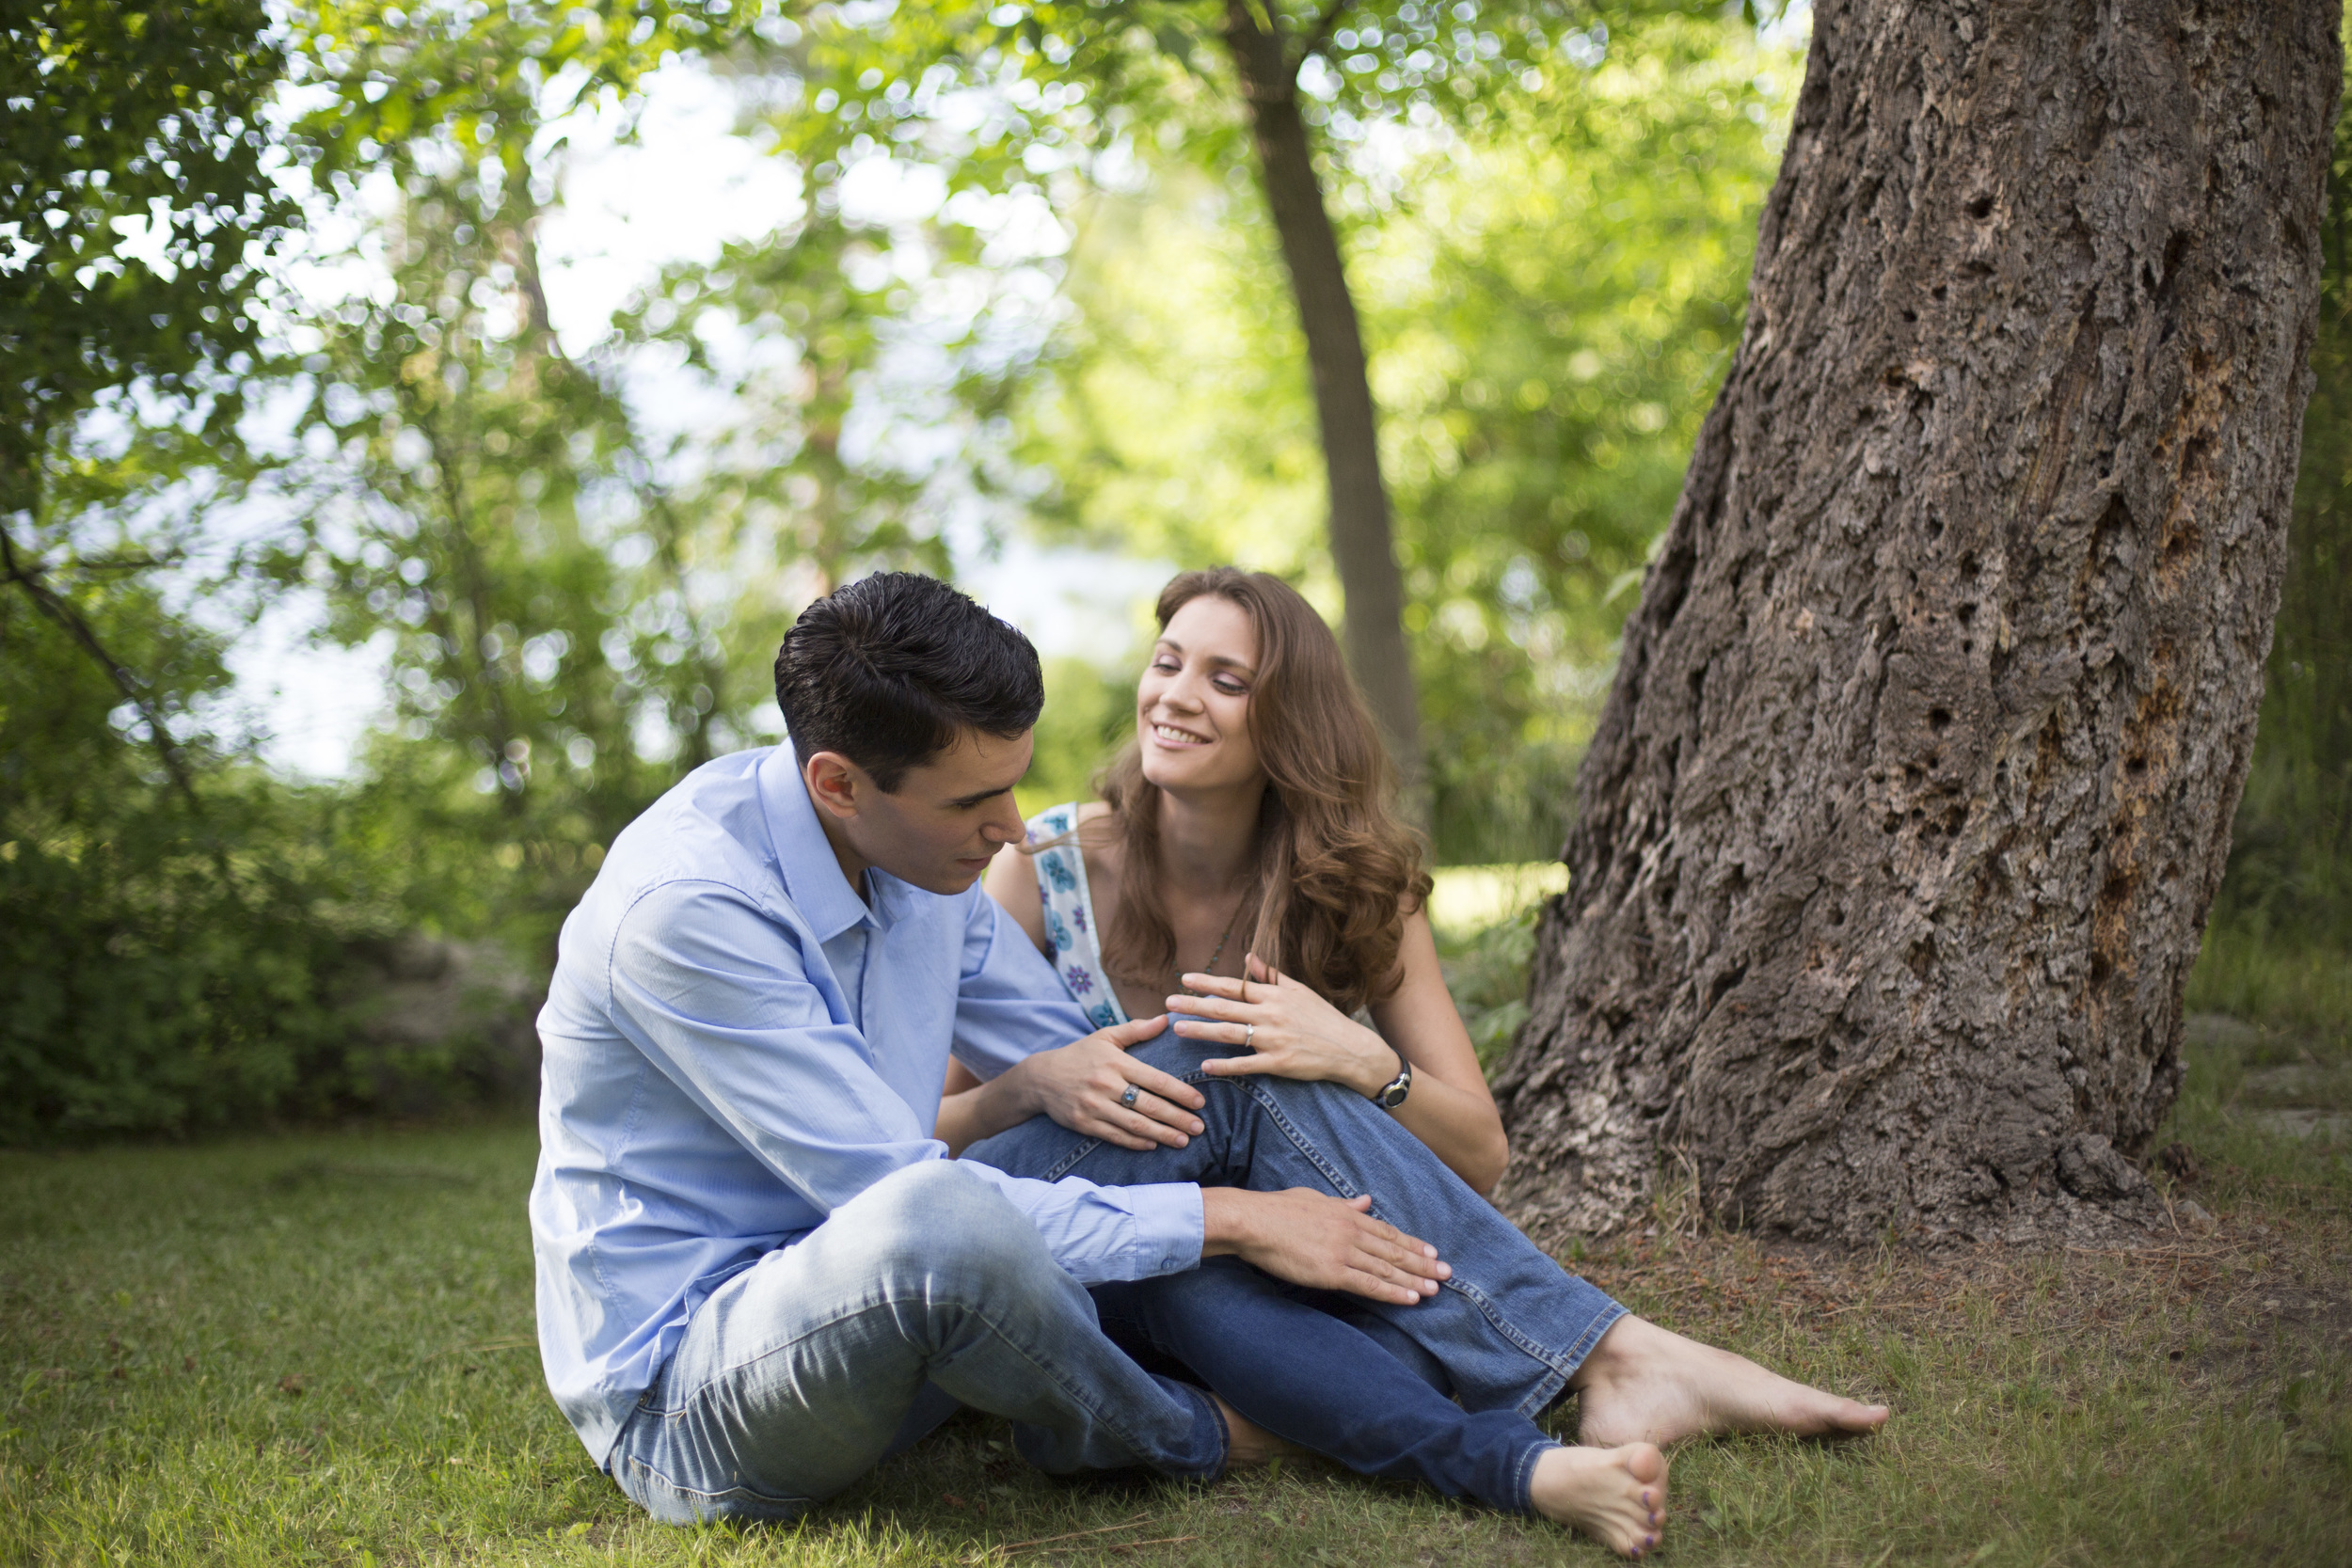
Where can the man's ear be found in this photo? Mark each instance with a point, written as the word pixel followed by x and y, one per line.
pixel 837 784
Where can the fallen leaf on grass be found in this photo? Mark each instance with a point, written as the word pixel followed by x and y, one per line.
pixel 289 1384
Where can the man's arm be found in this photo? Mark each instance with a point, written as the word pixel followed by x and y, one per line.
pixel 1033 1050
pixel 717 995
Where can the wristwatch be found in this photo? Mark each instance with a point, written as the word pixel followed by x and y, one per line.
pixel 1392 1093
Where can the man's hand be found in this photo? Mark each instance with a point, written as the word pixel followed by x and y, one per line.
pixel 1311 1238
pixel 1083 1086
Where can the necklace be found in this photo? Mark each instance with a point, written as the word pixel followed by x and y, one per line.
pixel 1226 935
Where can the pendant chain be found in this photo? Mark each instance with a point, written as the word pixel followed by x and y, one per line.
pixel 1226 935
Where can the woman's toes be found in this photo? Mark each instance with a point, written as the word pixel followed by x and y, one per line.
pixel 1645 1464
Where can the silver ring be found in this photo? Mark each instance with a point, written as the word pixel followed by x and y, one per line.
pixel 1249 1033
pixel 1128 1099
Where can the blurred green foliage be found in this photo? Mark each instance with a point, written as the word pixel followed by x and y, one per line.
pixel 160 958
pixel 574 559
pixel 1551 296
pixel 135 181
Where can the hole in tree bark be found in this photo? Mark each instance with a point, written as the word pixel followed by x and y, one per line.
pixel 2175 253
pixel 1981 208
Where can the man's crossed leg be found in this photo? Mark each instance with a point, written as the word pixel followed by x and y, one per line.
pixel 925 1291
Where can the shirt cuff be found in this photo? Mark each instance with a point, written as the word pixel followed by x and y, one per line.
pixel 1171 1227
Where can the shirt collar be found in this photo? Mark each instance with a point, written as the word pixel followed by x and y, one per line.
pixel 812 875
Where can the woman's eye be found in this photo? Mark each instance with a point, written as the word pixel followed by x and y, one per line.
pixel 1233 689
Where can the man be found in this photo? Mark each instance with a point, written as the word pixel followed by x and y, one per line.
pixel 758 1273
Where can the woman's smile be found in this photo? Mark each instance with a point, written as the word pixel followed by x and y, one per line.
pixel 1170 734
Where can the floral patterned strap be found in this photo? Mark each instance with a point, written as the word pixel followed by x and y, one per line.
pixel 1070 925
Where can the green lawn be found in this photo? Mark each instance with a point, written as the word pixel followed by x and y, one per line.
pixel 317 1349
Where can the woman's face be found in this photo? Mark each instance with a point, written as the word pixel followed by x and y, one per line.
pixel 1192 707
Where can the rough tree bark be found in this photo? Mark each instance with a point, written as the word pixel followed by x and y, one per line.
pixel 1900 825
pixel 1362 546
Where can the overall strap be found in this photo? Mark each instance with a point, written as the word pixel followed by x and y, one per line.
pixel 1069 922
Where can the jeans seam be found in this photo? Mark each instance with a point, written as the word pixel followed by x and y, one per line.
pixel 1523 1475
pixel 680 1487
pixel 1299 1140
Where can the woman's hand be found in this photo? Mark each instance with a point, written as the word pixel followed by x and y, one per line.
pixel 1084 1086
pixel 1293 1030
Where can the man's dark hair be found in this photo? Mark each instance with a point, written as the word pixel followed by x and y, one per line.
pixel 890 670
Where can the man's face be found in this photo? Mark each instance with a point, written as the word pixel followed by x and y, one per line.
pixel 944 823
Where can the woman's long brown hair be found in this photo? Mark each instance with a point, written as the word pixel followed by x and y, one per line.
pixel 1337 872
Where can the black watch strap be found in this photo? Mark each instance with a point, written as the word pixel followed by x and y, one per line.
pixel 1392 1093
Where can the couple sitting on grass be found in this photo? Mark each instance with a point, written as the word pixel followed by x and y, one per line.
pixel 833 1141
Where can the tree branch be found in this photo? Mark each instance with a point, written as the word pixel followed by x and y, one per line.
pixel 1313 41
pixel 55 606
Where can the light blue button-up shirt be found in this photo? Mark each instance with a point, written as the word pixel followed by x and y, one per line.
pixel 736 1043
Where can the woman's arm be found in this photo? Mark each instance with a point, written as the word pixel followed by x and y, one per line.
pixel 1012 881
pixel 1459 1121
pixel 1299 1035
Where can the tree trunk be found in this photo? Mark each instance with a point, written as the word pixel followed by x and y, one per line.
pixel 1900 825
pixel 1362 546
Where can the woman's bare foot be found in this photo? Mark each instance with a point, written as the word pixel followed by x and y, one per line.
pixel 1643 1383
pixel 1247 1442
pixel 1616 1496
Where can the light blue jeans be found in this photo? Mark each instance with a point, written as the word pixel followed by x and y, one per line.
pixel 925 1291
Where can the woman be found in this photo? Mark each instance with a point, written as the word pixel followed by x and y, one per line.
pixel 1244 847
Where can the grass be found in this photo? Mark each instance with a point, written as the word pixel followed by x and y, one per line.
pixel 317 1349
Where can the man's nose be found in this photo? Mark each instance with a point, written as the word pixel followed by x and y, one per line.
pixel 1006 826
